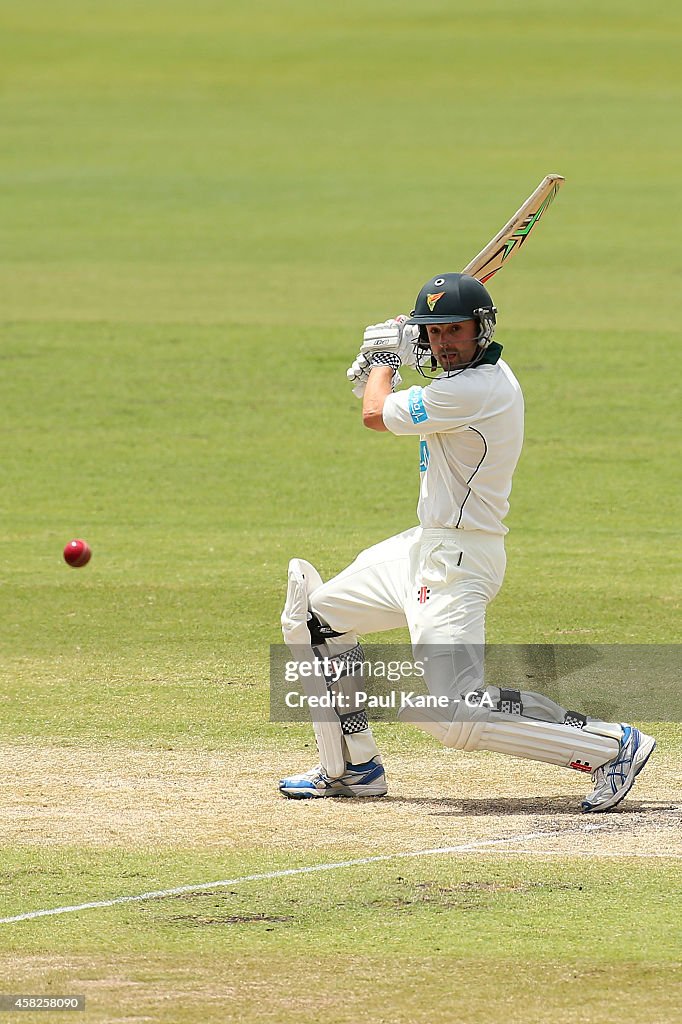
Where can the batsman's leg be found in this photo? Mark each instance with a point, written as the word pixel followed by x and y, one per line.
pixel 319 624
pixel 614 753
pixel 463 574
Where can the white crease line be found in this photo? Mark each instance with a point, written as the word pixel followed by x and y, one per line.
pixel 478 844
pixel 588 853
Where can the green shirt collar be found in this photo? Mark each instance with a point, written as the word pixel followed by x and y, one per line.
pixel 490 355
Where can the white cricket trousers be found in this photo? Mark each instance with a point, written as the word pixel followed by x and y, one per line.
pixel 438 583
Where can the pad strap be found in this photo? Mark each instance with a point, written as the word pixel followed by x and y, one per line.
pixel 510 702
pixel 575 719
pixel 342 683
pixel 319 630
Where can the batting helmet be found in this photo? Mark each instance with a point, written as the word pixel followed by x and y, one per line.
pixel 451 298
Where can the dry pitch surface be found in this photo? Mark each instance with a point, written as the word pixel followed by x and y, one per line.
pixel 120 797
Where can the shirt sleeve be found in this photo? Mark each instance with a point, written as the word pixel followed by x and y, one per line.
pixel 447 404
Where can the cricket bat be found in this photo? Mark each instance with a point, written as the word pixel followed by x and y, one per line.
pixel 515 232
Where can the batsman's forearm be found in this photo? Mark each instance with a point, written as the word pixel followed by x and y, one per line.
pixel 376 392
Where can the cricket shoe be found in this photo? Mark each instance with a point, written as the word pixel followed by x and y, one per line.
pixel 614 780
pixel 358 780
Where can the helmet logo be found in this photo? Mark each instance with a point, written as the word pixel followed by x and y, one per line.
pixel 432 299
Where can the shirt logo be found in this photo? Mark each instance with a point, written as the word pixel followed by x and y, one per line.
pixel 423 456
pixel 423 594
pixel 415 404
pixel 433 298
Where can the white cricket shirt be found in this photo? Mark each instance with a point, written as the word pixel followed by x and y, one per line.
pixel 470 427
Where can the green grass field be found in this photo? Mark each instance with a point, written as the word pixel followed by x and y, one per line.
pixel 202 206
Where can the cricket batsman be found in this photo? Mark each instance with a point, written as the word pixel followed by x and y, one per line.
pixel 437 578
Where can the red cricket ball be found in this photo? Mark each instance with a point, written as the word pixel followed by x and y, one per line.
pixel 77 553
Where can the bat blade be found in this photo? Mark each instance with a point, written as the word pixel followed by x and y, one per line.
pixel 509 240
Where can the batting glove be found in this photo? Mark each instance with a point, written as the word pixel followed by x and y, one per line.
pixel 391 343
pixel 395 336
pixel 358 372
